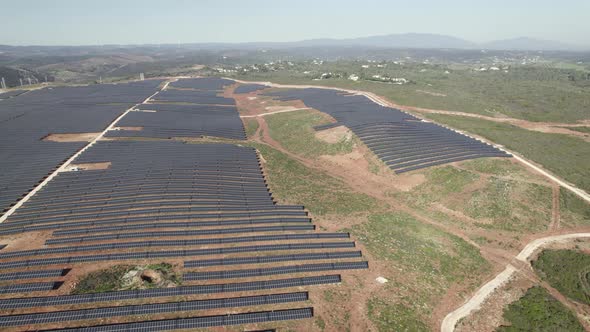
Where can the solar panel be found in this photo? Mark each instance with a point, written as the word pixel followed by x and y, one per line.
pixel 30 287
pixel 247 273
pixel 202 322
pixel 33 274
pixel 147 309
pixel 30 302
pixel 272 259
pixel 390 133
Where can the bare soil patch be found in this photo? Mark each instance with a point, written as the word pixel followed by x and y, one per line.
pixel 77 137
pixel 90 166
pixel 334 135
pixel 490 316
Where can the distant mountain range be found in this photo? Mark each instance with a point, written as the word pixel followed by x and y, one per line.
pixel 426 40
pixel 392 41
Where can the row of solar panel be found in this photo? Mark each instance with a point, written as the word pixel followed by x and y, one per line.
pixel 168 243
pixel 260 272
pixel 129 218
pixel 77 208
pixel 239 239
pixel 4 230
pixel 96 213
pixel 20 275
pixel 248 88
pixel 208 83
pixel 202 322
pixel 124 197
pixel 171 253
pixel 184 225
pixel 50 301
pixel 272 259
pixel 139 202
pixel 30 287
pixel 149 309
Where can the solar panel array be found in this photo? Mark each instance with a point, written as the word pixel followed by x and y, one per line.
pixel 25 158
pixel 167 121
pixel 203 322
pixel 185 113
pixel 11 94
pixel 248 88
pixel 149 309
pixel 163 200
pixel 401 141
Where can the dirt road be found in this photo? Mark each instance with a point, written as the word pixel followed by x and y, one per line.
pixel 475 302
pixel 275 112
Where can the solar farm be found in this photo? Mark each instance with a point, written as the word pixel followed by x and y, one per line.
pixel 402 141
pixel 160 171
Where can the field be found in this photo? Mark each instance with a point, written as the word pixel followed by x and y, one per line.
pixel 548 150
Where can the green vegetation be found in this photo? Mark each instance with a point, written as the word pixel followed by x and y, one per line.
pixel 567 271
pixel 121 277
pixel 573 208
pixel 566 156
pixel 400 238
pixel 251 126
pixel 538 311
pixel 394 317
pixel 535 93
pixel 294 130
pixel 495 166
pixel 433 259
pixel 492 196
pixel 585 130
pixel 292 181
pixel 102 281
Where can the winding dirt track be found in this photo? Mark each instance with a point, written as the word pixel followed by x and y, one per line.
pixel 475 302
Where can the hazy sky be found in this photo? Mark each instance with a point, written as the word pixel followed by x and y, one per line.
pixel 68 22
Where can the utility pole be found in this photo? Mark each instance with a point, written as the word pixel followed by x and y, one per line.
pixel 45 78
pixel 3 83
pixel 141 77
pixel 21 81
pixel 29 80
pixel 100 80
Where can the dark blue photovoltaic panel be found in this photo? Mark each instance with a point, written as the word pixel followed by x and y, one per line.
pixel 48 301
pixel 248 88
pixel 202 322
pixel 400 140
pixel 204 83
pixel 25 158
pixel 150 309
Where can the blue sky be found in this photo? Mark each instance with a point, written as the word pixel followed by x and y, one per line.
pixel 67 22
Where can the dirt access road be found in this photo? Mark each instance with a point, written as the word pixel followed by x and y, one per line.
pixel 475 302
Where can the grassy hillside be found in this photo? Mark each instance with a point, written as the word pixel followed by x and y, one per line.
pixel 566 156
